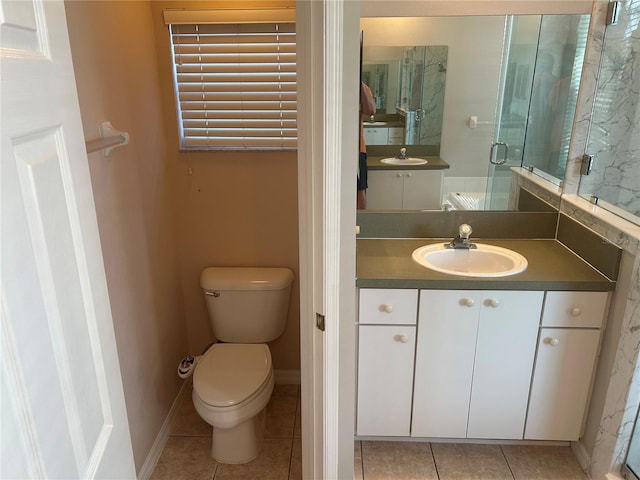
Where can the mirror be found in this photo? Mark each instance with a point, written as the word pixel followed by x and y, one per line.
pixel 498 77
pixel 408 83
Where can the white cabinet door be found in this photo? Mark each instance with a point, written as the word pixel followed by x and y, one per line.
pixel 505 350
pixel 385 189
pixel 561 380
pixel 376 136
pixel 422 190
pixel 404 189
pixel 447 329
pixel 385 377
pixel 396 136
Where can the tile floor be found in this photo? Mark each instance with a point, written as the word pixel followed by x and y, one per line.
pixel 187 453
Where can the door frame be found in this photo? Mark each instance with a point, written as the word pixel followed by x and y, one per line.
pixel 327 41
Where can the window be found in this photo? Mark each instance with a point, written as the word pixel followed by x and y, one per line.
pixel 235 83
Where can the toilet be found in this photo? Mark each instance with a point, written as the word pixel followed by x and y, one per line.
pixel 233 380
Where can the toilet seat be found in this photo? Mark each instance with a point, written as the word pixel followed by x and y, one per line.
pixel 229 374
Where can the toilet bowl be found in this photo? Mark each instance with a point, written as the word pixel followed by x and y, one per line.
pixel 233 380
pixel 232 385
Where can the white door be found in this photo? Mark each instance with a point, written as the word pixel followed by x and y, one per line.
pixel 62 405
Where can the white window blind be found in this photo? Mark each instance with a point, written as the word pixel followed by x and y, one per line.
pixel 235 85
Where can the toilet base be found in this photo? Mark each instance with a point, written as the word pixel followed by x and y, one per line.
pixel 239 444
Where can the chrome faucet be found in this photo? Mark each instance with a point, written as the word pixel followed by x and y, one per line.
pixel 403 154
pixel 463 239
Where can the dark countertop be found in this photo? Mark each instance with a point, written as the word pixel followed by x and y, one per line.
pixel 387 263
pixel 433 163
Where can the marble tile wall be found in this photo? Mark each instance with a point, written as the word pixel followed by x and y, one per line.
pixel 615 121
pixel 622 397
pixel 586 97
pixel 435 73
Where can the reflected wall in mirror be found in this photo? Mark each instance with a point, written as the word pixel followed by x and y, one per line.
pixel 408 83
pixel 506 77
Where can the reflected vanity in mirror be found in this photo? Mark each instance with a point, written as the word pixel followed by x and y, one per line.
pixel 408 83
pixel 476 96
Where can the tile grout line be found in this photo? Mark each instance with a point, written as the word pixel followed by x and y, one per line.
pixel 361 461
pixel 507 462
pixel 293 432
pixel 433 457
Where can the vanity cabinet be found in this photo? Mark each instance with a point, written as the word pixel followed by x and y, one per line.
pixel 376 135
pixel 404 189
pixel 565 363
pixel 383 135
pixel 386 349
pixel 476 364
pixel 476 350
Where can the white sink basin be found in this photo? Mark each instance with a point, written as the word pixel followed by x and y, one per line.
pixel 403 161
pixel 484 261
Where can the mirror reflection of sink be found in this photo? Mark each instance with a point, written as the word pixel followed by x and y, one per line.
pixel 404 161
pixel 484 261
pixel 375 124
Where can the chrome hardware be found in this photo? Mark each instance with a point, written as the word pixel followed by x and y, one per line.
pixel 215 293
pixel 504 157
pixel 587 164
pixel 462 240
pixel 593 199
pixel 613 13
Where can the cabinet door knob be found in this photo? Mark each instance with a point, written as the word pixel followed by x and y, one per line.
pixel 401 338
pixel 399 174
pixel 386 308
pixel 552 341
pixel 576 311
pixel 408 174
pixel 467 302
pixel 492 302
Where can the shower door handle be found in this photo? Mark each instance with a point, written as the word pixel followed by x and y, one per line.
pixel 504 157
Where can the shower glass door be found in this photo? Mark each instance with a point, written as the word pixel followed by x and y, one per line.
pixel 514 94
pixel 536 106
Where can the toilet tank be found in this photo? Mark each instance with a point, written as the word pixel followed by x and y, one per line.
pixel 247 304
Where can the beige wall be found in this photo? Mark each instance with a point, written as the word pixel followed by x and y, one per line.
pixel 164 214
pixel 114 58
pixel 232 208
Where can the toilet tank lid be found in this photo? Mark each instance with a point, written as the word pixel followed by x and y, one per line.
pixel 245 278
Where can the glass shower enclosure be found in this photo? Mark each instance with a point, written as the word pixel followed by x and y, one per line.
pixel 541 69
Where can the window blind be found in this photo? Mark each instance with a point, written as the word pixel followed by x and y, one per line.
pixel 235 85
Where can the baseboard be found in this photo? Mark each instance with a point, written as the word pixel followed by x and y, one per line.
pixel 287 377
pixel 582 456
pixel 163 435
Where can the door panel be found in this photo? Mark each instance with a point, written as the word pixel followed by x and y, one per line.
pixel 61 388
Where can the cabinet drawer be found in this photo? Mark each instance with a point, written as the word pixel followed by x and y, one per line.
pixel 388 306
pixel 574 309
